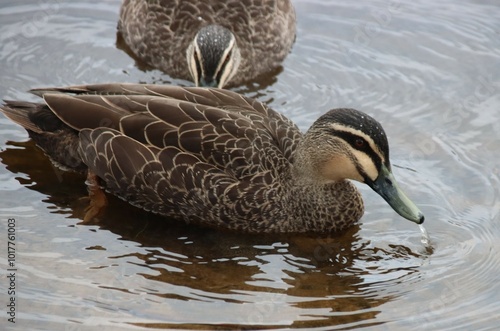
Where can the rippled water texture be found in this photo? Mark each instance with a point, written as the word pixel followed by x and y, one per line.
pixel 429 71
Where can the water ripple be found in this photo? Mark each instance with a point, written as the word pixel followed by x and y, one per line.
pixel 427 71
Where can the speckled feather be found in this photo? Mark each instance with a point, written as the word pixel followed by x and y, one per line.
pixel 159 32
pixel 206 156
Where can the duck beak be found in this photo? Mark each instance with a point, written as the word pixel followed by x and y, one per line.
pixel 208 82
pixel 387 187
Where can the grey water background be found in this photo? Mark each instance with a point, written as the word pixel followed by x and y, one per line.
pixel 428 71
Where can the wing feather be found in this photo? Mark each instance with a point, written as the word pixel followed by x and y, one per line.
pixel 188 152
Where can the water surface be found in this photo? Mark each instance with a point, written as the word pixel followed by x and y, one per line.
pixel 429 72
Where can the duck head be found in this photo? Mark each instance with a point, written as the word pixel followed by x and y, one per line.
pixel 213 56
pixel 349 144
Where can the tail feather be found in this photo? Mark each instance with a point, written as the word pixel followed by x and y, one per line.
pixel 19 112
pixel 58 141
pixel 34 117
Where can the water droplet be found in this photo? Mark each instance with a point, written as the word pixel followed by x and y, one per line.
pixel 425 236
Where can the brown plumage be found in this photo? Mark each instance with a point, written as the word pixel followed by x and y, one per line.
pixel 172 35
pixel 211 156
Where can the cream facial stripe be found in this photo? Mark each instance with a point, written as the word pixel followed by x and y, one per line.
pixel 366 164
pixel 364 161
pixel 225 55
pixel 225 69
pixel 192 62
pixel 197 53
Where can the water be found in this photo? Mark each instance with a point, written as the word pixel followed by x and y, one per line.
pixel 429 72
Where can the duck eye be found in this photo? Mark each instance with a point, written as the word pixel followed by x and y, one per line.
pixel 359 142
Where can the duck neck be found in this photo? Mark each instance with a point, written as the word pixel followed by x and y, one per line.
pixel 316 204
pixel 322 207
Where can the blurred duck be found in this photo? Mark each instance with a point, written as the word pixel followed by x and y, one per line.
pixel 211 42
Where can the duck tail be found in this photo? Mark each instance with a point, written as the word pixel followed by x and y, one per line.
pixel 56 139
pixel 20 111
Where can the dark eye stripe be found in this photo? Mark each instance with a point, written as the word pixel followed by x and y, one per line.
pixel 353 140
pixel 224 65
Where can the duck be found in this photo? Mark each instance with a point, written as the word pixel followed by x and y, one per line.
pixel 213 43
pixel 215 158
